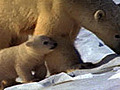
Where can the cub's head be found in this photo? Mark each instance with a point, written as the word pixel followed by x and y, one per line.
pixel 42 44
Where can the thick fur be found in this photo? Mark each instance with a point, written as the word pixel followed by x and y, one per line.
pixel 61 20
pixel 21 60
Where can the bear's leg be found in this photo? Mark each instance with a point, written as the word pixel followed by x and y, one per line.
pixel 7 83
pixel 24 72
pixel 40 72
pixel 9 39
pixel 5 39
pixel 18 39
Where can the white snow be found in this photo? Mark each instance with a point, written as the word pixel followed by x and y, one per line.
pixel 116 76
pixel 89 75
pixel 117 1
pixel 90 47
pixel 29 86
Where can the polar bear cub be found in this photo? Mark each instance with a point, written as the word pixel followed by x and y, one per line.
pixel 19 61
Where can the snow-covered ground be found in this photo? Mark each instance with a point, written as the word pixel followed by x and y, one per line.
pixel 93 50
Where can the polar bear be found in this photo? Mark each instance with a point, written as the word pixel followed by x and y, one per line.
pixel 21 60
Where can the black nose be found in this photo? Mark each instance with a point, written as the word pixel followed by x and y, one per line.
pixel 117 36
pixel 54 46
pixel 45 43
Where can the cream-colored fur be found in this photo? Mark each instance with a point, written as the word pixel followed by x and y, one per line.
pixel 21 60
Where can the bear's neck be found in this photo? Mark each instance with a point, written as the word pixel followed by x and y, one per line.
pixel 29 54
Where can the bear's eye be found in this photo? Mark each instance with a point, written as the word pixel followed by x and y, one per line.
pixel 117 36
pixel 45 42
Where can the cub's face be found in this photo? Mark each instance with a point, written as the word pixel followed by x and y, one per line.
pixel 42 44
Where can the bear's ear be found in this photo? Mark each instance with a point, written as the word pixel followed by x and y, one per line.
pixel 29 43
pixel 99 14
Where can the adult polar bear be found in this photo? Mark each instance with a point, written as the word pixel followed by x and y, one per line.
pixel 60 20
